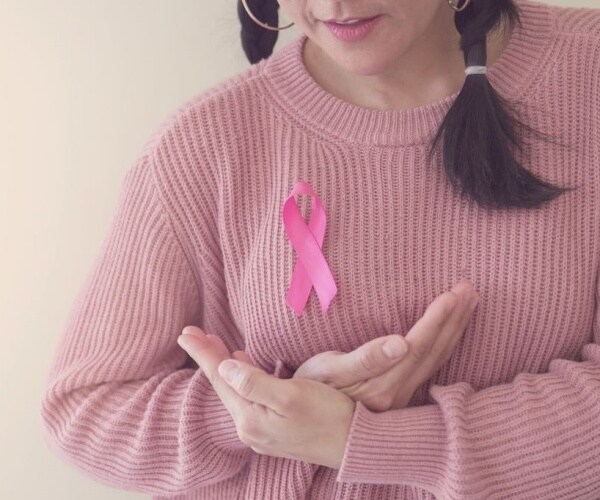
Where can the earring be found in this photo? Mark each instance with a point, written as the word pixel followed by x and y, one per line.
pixel 458 9
pixel 266 26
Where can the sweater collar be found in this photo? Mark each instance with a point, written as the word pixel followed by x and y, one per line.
pixel 297 93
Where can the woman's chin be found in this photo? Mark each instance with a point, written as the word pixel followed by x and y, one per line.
pixel 357 62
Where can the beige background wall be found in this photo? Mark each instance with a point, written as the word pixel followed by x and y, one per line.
pixel 82 85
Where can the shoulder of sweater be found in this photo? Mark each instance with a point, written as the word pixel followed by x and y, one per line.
pixel 207 104
pixel 194 126
pixel 581 26
pixel 185 150
pixel 577 20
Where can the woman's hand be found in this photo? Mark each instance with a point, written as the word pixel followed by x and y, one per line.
pixel 300 419
pixel 380 383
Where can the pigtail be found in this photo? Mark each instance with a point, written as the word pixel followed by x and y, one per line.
pixel 481 128
pixel 258 42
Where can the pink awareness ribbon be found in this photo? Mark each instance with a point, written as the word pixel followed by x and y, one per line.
pixel 311 267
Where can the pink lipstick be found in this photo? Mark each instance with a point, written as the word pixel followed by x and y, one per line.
pixel 354 31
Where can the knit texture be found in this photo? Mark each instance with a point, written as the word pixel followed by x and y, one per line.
pixel 198 239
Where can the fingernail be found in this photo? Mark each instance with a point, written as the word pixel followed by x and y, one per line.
pixel 394 348
pixel 227 369
pixel 184 340
pixel 192 330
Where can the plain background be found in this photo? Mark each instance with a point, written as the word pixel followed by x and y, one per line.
pixel 83 84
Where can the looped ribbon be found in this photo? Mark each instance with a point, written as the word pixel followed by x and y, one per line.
pixel 311 267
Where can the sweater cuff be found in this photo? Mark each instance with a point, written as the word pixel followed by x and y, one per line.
pixel 399 446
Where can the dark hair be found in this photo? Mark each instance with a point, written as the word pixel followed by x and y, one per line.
pixel 480 126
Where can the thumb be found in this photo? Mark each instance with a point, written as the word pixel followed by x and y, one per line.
pixel 340 369
pixel 374 357
pixel 254 384
pixel 243 356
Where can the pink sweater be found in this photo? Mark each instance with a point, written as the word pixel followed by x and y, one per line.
pixel 198 239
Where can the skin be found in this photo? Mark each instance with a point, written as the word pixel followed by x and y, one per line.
pixel 307 419
pixel 292 418
pixel 372 73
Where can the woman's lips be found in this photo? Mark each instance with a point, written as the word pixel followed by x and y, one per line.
pixel 354 31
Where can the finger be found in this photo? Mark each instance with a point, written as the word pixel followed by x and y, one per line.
pixel 454 328
pixel 428 362
pixel 424 334
pixel 218 343
pixel 413 369
pixel 428 328
pixel 367 361
pixel 242 356
pixel 208 358
pixel 459 329
pixel 440 352
pixel 254 384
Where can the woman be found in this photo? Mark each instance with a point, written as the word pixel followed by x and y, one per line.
pixel 437 143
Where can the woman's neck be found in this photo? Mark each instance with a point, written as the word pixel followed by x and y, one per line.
pixel 435 72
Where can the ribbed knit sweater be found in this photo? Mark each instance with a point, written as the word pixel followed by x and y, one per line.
pixel 198 239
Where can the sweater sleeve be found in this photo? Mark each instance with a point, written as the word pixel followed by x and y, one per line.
pixel 121 402
pixel 536 437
